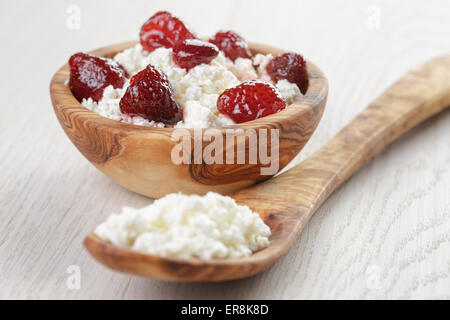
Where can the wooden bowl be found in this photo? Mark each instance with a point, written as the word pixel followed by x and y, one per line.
pixel 139 158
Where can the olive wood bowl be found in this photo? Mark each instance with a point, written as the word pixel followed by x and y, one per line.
pixel 139 158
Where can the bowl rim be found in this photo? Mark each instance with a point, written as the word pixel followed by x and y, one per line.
pixel 62 96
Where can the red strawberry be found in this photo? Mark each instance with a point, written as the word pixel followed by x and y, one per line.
pixel 232 44
pixel 163 30
pixel 90 75
pixel 290 66
pixel 250 100
pixel 192 52
pixel 150 96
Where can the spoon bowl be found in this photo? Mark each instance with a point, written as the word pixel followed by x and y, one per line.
pixel 287 202
pixel 140 158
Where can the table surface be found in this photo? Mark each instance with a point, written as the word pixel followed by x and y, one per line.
pixel 383 234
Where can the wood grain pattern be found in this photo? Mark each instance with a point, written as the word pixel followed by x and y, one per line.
pixel 389 223
pixel 139 158
pixel 287 202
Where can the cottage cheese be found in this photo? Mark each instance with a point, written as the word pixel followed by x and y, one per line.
pixel 261 62
pixel 288 90
pixel 182 226
pixel 196 91
pixel 242 68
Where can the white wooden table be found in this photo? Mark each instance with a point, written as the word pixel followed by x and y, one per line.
pixel 384 234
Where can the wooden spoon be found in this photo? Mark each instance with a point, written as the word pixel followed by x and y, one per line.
pixel 287 202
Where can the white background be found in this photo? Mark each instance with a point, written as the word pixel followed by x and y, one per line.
pixel 384 234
